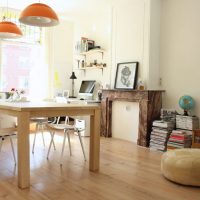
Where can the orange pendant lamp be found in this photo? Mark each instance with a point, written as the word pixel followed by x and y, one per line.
pixel 9 30
pixel 39 14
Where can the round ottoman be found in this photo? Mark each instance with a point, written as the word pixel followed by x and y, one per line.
pixel 182 166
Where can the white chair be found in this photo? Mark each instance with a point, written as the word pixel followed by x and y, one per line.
pixel 78 127
pixel 8 133
pixel 41 123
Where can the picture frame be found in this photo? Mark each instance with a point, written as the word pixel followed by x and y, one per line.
pixel 126 75
pixel 90 44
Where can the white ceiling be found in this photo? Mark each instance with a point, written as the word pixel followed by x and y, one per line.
pixel 62 6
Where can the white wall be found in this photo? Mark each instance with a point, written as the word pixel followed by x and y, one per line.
pixel 60 46
pixel 96 28
pixel 136 37
pixel 180 51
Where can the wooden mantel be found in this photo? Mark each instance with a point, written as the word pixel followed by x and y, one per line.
pixel 150 103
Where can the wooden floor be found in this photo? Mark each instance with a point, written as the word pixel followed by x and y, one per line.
pixel 127 172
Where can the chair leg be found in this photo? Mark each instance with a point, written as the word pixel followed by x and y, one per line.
pixel 63 147
pixel 54 146
pixel 1 143
pixel 68 136
pixel 13 150
pixel 52 136
pixel 79 135
pixel 33 147
pixel 42 131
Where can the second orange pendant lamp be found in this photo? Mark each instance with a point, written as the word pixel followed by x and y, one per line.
pixel 39 14
pixel 9 30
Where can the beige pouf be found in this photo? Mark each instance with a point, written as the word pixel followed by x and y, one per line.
pixel 182 166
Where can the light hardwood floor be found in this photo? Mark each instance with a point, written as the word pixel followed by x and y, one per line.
pixel 127 172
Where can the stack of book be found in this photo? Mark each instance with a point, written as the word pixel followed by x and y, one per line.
pixel 160 134
pixel 179 139
pixel 187 122
pixel 168 115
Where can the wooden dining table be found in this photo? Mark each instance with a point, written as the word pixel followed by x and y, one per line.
pixel 23 111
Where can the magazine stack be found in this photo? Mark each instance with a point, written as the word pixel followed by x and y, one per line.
pixel 168 115
pixel 160 134
pixel 161 129
pixel 179 139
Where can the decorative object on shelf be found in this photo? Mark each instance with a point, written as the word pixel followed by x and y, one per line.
pixel 8 29
pixel 78 62
pixel 84 44
pixel 82 63
pixel 126 75
pixel 140 85
pixel 73 76
pixel 186 102
pixel 90 44
pixel 39 14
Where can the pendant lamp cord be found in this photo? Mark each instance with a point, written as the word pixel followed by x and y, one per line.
pixel 7 8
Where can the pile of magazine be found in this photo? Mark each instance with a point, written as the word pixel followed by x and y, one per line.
pixel 179 139
pixel 161 130
pixel 160 134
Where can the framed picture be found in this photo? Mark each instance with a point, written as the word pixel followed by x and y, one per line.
pixel 90 44
pixel 126 75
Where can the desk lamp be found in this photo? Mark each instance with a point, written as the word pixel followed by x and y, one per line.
pixel 73 76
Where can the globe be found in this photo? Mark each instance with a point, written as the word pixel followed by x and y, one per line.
pixel 186 102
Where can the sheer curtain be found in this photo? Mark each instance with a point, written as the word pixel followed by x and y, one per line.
pixel 22 66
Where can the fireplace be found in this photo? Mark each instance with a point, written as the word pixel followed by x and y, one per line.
pixel 150 103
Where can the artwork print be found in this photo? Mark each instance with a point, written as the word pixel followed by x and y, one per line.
pixel 126 75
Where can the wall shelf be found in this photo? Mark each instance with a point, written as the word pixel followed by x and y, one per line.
pixel 93 51
pixel 91 68
pixel 87 56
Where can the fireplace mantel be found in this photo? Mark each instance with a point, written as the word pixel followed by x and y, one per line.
pixel 150 103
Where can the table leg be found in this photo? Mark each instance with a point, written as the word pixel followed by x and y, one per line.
pixel 94 141
pixel 23 150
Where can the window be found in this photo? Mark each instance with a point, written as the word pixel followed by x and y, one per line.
pixel 22 61
pixel 23 67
